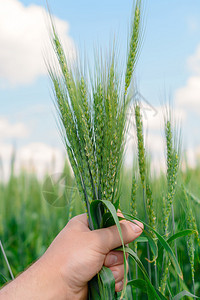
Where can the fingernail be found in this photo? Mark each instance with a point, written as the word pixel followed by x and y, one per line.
pixel 112 259
pixel 135 227
pixel 115 274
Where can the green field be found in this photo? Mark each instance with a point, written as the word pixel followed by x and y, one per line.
pixel 29 219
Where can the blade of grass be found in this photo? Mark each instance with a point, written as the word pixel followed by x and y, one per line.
pixel 6 260
pixel 184 294
pixel 150 288
pixel 106 285
pixel 112 210
pixel 163 243
pixel 177 235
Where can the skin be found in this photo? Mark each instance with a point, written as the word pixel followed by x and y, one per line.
pixel 74 258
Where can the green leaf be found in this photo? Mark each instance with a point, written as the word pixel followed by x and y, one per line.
pixel 141 239
pixel 183 294
pixel 169 288
pixel 152 244
pixel 164 243
pixel 183 285
pixel 176 236
pixel 107 220
pixel 161 295
pixel 112 210
pixel 192 196
pixel 93 210
pixel 181 234
pixel 138 283
pixel 106 282
pixel 3 279
pixel 116 204
pixel 152 293
pixel 93 289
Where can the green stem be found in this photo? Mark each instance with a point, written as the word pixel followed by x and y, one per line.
pixel 156 275
pixel 193 283
pixel 6 260
pixel 148 248
pixel 136 276
pixel 175 245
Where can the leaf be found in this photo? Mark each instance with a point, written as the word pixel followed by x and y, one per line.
pixel 181 234
pixel 152 244
pixel 192 196
pixel 176 236
pixel 107 220
pixel 116 204
pixel 93 289
pixel 3 279
pixel 143 239
pixel 161 295
pixel 112 210
pixel 169 288
pixel 152 294
pixel 106 283
pixel 183 294
pixel 183 285
pixel 95 212
pixel 163 243
pixel 93 206
pixel 138 283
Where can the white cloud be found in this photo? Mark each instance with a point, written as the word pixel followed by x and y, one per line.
pixel 39 158
pixel 23 39
pixel 154 139
pixel 16 130
pixel 153 117
pixel 189 95
pixel 6 151
pixel 192 156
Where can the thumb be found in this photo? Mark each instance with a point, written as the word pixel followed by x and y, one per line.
pixel 109 238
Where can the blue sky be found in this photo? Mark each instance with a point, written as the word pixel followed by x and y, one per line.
pixel 169 65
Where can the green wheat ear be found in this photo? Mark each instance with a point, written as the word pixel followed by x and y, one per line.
pixel 172 170
pixel 134 45
pixel 150 208
pixel 133 208
pixel 173 150
pixel 140 144
pixel 165 275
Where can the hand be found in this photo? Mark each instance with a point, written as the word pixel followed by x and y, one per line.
pixel 81 253
pixel 74 258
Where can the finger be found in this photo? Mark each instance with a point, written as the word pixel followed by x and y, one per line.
pixel 114 258
pixel 119 286
pixel 79 222
pixel 118 272
pixel 109 238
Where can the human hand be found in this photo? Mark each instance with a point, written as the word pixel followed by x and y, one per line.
pixel 75 256
pixel 79 254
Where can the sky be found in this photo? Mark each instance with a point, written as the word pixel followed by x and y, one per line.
pixel 168 69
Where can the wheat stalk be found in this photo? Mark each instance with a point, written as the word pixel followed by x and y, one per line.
pixel 92 117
